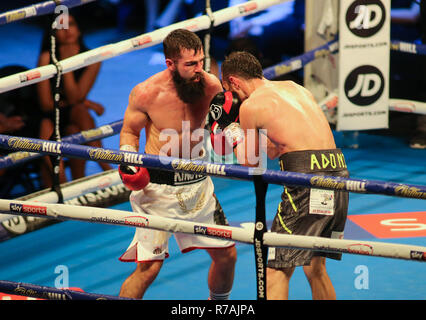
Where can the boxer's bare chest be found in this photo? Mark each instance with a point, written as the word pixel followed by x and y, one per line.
pixel 168 112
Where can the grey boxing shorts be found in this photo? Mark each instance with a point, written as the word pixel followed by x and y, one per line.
pixel 310 211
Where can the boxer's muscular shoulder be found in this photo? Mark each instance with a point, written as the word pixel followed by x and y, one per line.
pixel 259 100
pixel 256 111
pixel 212 81
pixel 143 94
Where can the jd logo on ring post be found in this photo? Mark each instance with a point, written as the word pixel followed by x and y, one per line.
pixel 364 59
pixel 364 85
pixel 365 18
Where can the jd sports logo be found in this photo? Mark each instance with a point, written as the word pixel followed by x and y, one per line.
pixel 365 17
pixel 364 85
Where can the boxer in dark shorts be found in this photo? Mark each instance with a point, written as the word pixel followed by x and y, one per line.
pixel 310 211
pixel 288 117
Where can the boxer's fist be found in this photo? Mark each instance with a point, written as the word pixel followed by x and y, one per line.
pixel 224 109
pixel 219 143
pixel 224 122
pixel 134 178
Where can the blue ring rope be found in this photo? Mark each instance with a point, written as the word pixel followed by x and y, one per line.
pixel 77 138
pixel 213 169
pixel 49 293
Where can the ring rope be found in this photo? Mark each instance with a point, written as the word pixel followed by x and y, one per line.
pixel 56 160
pixel 73 190
pixel 408 47
pixel 214 169
pixel 207 37
pixel 38 9
pixel 298 62
pixel 330 102
pixel 49 293
pixel 109 51
pixel 294 64
pixel 399 105
pixel 245 235
pixel 104 131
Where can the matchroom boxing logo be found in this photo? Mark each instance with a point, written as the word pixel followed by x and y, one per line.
pixel 365 18
pixel 364 85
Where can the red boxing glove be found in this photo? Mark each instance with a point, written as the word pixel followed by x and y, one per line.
pixel 218 140
pixel 134 178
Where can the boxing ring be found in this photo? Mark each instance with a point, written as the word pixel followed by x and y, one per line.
pixel 46 206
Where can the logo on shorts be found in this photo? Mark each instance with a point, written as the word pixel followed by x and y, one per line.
pixel 157 250
pixel 365 18
pixel 364 85
pixel 24 208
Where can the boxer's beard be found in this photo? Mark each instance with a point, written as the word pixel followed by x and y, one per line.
pixel 188 90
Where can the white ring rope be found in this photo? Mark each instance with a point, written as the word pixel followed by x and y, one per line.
pixel 400 105
pixel 74 189
pixel 38 9
pixel 245 235
pixel 139 42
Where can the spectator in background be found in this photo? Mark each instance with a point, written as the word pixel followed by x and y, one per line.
pixel 419 140
pixel 74 106
pixel 277 31
pixel 408 24
pixel 10 124
pixel 19 116
pixel 18 111
pixel 151 9
pixel 248 45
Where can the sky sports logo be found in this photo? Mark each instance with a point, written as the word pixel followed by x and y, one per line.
pixel 418 255
pixel 23 208
pixel 222 233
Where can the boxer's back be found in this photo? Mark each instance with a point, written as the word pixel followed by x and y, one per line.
pixel 292 118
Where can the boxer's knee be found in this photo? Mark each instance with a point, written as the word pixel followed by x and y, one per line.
pixel 224 256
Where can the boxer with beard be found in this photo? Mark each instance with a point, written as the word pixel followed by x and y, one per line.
pixel 163 102
pixel 189 90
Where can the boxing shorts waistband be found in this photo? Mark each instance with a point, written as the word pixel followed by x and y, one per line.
pixel 174 178
pixel 313 161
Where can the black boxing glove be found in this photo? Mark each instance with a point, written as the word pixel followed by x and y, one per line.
pixel 224 121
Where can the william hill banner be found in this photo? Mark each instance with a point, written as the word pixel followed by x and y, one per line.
pixel 364 47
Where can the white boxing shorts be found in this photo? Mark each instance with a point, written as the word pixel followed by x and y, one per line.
pixel 180 196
